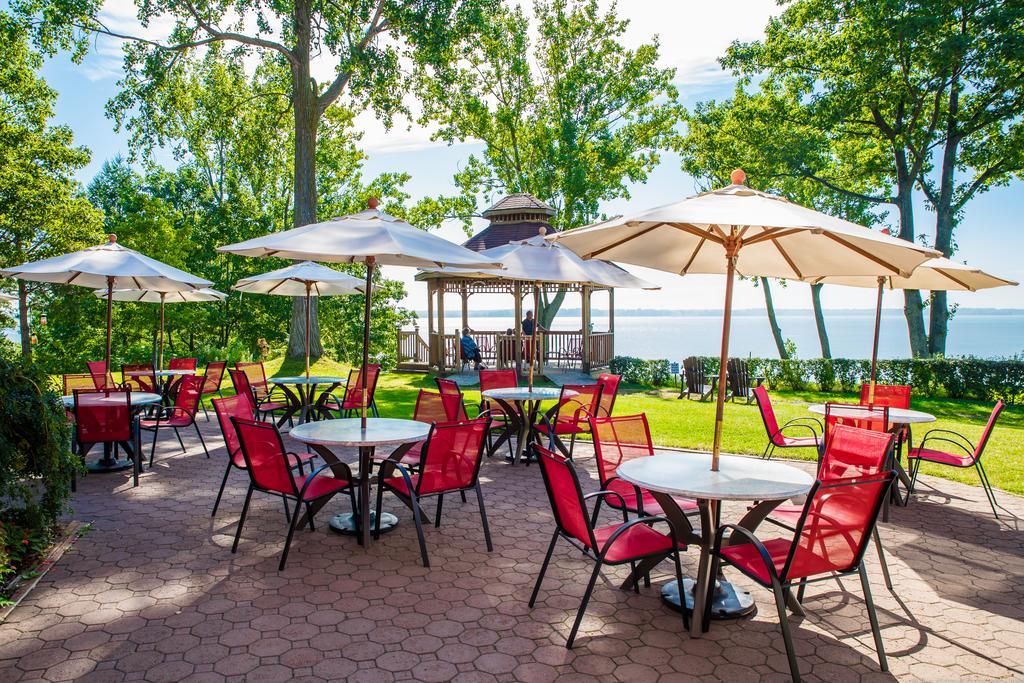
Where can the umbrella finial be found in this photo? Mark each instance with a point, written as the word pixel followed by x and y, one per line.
pixel 112 238
pixel 738 177
pixel 372 202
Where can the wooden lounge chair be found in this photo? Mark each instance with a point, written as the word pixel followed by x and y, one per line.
pixel 697 381
pixel 741 382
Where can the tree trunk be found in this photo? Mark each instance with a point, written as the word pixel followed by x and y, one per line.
pixel 549 308
pixel 307 117
pixel 773 320
pixel 945 221
pixel 913 307
pixel 819 321
pixel 26 340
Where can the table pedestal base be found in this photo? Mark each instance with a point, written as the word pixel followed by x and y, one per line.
pixel 726 603
pixel 110 465
pixel 346 523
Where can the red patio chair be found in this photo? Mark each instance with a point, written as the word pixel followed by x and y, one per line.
pixel 830 540
pixel 851 452
pixel 352 402
pixel 871 418
pixel 104 416
pixel 183 364
pixel 570 416
pixel 262 405
pixel 892 395
pixel 455 407
pixel 497 379
pixel 72 381
pixel 609 391
pixel 241 407
pixel 777 437
pixel 969 455
pixel 101 378
pixel 181 414
pixel 628 541
pixel 139 377
pixel 211 381
pixel 270 471
pixel 449 463
pixel 618 440
pixel 431 408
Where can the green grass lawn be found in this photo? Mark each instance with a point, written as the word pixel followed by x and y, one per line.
pixel 689 424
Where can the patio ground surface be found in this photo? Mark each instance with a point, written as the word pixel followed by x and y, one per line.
pixel 154 593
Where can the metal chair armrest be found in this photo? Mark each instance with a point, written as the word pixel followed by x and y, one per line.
pixel 752 539
pixel 315 473
pixel 797 426
pixel 967 449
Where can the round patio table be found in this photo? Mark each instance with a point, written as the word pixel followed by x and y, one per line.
pixel 304 399
pixel 349 432
pixel 689 475
pixel 108 463
pixel 168 379
pixel 521 405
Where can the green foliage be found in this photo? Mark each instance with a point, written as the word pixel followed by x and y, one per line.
pixel 36 464
pixel 650 373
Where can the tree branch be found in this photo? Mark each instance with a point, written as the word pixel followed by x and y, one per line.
pixel 848 193
pixel 334 90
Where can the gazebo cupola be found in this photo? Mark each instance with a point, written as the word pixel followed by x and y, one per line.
pixel 518 216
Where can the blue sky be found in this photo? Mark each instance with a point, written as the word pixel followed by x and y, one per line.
pixel 990 235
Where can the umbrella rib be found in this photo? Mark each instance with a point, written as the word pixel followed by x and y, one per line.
pixel 623 241
pixel 718 230
pixel 772 234
pixel 865 253
pixel 957 281
pixel 689 263
pixel 697 232
pixel 788 259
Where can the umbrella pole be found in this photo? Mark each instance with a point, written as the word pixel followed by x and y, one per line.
pixel 732 250
pixel 110 304
pixel 308 285
pixel 160 353
pixel 370 261
pixel 536 323
pixel 874 347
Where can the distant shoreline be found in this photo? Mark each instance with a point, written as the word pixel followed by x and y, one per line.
pixel 693 312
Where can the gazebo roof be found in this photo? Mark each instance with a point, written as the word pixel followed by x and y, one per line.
pixel 500 234
pixel 519 202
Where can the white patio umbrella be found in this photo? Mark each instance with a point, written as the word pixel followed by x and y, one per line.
pixel 371 237
pixel 537 260
pixel 739 230
pixel 151 296
pixel 306 279
pixel 109 266
pixel 938 274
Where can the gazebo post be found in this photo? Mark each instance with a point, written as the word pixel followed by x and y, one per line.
pixel 517 291
pixel 431 355
pixel 465 306
pixel 442 349
pixel 611 319
pixel 585 360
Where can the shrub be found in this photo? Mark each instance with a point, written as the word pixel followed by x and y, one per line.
pixel 639 371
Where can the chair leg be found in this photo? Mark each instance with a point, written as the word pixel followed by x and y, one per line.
pixel 915 466
pixel 180 442
pixel 201 441
pixel 462 494
pixel 288 539
pixel 418 519
pixel 989 493
pixel 287 510
pixel 787 637
pixel 205 412
pixel 597 510
pixel 801 590
pixel 223 483
pixel 873 617
pixel 881 559
pixel 380 502
pixel 572 444
pixel 679 581
pixel 583 605
pixel 483 517
pixel 437 516
pixel 241 520
pixel 543 569
pixel 152 450
pixel 309 517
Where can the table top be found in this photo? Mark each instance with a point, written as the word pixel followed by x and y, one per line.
pixel 139 398
pixel 526 394
pixel 312 379
pixel 689 475
pixel 903 416
pixel 159 373
pixel 379 431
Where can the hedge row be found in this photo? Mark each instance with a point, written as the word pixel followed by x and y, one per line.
pixel 974 378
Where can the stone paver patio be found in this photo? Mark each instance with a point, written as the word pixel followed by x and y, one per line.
pixel 153 593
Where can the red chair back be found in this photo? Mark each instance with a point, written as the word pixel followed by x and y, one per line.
pixel 237 406
pixel 240 381
pixel 213 376
pixel 891 395
pixel 580 407
pixel 989 426
pixel 354 388
pixel 265 456
pixel 618 440
pixel 853 452
pixel 430 407
pixel 101 379
pixel 871 418
pixel 103 415
pixel 498 379
pixel 452 455
pixel 256 378
pixel 452 395
pixel 771 423
pixel 609 390
pixel 565 495
pixel 182 364
pixel 140 377
pixel 836 525
pixel 77 381
pixel 190 391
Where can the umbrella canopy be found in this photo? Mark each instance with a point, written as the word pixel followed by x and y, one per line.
pixel 111 266
pixel 306 279
pixel 739 230
pixel 372 237
pixel 150 296
pixel 293 281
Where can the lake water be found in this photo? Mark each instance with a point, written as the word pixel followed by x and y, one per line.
pixel 977 333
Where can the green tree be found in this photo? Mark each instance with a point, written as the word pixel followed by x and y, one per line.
pixel 373 45
pixel 571 116
pixel 897 74
pixel 43 212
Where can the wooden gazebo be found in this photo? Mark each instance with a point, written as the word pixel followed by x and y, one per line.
pixel 515 217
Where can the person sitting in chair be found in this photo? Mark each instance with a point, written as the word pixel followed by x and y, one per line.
pixel 470 350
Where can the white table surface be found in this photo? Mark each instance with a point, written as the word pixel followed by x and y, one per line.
pixel 903 416
pixel 312 379
pixel 139 398
pixel 159 373
pixel 689 475
pixel 380 431
pixel 525 394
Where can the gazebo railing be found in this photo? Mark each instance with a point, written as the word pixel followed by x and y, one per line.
pixel 412 348
pixel 602 348
pixel 561 348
